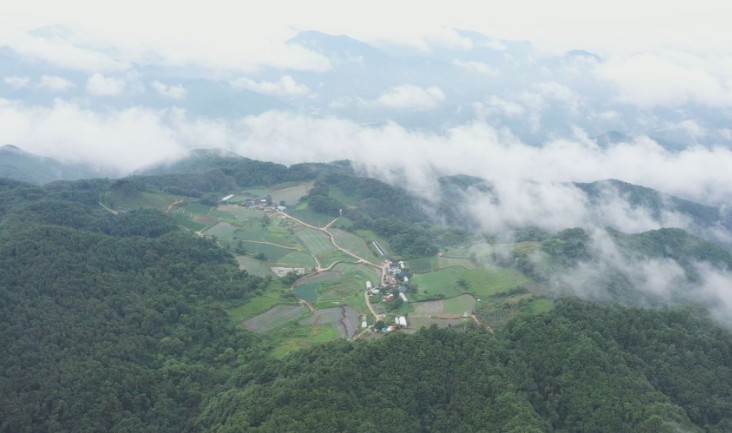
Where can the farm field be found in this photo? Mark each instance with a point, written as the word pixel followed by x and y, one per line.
pixel 254 307
pixel 303 213
pixel 297 259
pixel 448 307
pixel 342 319
pixel 446 262
pixel 307 288
pixel 293 337
pixel 138 200
pixel 223 231
pixel 272 253
pixel 274 318
pixel 354 244
pixel 254 266
pixel 291 195
pixel 456 280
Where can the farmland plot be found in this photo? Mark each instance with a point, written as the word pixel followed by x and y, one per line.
pixel 343 319
pixel 275 317
pixel 353 243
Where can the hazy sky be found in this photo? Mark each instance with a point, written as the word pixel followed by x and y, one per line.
pixel 124 84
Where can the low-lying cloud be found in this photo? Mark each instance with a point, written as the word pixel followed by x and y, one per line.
pixel 286 87
pixel 475 148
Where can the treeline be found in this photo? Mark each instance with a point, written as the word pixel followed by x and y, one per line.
pixel 578 368
pixel 206 174
pixel 387 210
pixel 110 322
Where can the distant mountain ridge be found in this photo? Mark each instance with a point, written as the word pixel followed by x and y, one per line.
pixel 16 163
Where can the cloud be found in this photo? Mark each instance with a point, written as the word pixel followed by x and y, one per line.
pixel 668 80
pixel 174 92
pixel 479 67
pixel 54 83
pixel 474 148
pixel 286 87
pixel 16 82
pixel 99 85
pixel 411 97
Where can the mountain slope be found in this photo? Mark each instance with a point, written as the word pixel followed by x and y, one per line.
pixel 18 164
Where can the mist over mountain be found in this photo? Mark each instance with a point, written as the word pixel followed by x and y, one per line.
pixel 366 217
pixel 17 164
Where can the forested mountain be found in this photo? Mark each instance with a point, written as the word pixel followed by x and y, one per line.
pixel 18 164
pixel 580 368
pixel 109 322
pixel 120 321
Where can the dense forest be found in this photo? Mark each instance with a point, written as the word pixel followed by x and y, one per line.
pixel 116 322
pixel 578 368
pixel 109 322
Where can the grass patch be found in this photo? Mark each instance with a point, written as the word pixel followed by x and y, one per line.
pixel 446 262
pixel 293 337
pixel 539 305
pixel 253 307
pixel 423 265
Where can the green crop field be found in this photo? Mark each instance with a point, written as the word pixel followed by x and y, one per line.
pixel 272 252
pixel 241 213
pixel 254 266
pixel 459 304
pixel 302 212
pixel 446 262
pixel 479 281
pixel 184 219
pixel 354 244
pixel 223 231
pixel 308 292
pixel 293 337
pixel 487 281
pixel 423 265
pixel 254 307
pixel 315 241
pixel 297 259
pixel 448 307
pixel 197 208
pixel 275 317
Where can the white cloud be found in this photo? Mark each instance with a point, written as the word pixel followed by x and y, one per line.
pixel 411 97
pixel 286 87
pixel 99 85
pixel 479 67
pixel 668 80
pixel 16 82
pixel 54 83
pixel 175 92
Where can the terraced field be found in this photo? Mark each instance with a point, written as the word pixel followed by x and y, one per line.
pixel 275 317
pixel 354 244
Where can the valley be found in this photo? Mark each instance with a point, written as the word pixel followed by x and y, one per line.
pixel 318 267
